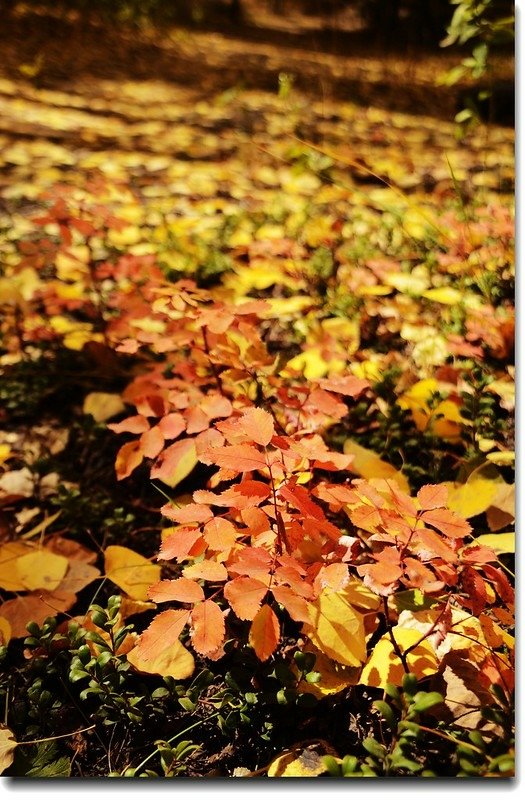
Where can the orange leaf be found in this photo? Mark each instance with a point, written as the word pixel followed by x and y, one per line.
pixel 239 458
pixel 246 494
pixel 296 606
pixel 193 512
pixel 172 425
pixel 182 544
pixel 181 589
pixel 245 596
pixel 208 627
pixel 152 442
pixel 162 632
pixel 257 425
pixel 175 463
pixel 264 633
pixel 128 458
pixel 447 522
pixel 432 496
pixel 347 385
pixel 136 424
pixel 207 571
pixel 220 534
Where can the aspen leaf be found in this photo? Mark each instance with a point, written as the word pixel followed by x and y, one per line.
pixel 384 666
pixel 79 575
pixel 336 628
pixel 102 405
pixel 473 497
pixel 128 459
pixel 264 633
pixel 367 464
pixel 163 632
pixel 8 745
pixel 41 569
pixel 5 631
pixel 207 622
pixel 181 589
pixel 130 571
pixel 499 542
pixel 245 596
pixel 334 677
pixel 175 463
pixel 175 661
pixel 9 577
pixel 301 762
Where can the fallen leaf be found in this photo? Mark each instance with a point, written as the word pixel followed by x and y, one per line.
pixel 41 569
pixel 336 628
pixel 130 571
pixel 384 665
pixel 175 661
pixel 34 608
pixel 499 542
pixel 8 744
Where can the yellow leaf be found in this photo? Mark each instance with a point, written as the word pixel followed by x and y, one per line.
pixel 473 497
pixel 334 677
pixel 175 462
pixel 384 666
pixel 131 572
pixel 9 578
pixel 102 405
pixel 41 569
pixel 5 452
pixel 502 459
pixel 5 631
pixel 301 762
pixel 336 628
pixel 8 744
pixel 77 339
pixel 373 291
pixel 367 464
pixel 310 362
pixel 499 542
pixel 444 294
pixel 174 662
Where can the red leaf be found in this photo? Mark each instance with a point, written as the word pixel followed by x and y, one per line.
pixel 238 458
pixel 128 458
pixel 447 522
pixel 433 495
pixel 163 632
pixel 502 584
pixel 299 498
pixel 478 554
pixel 245 596
pixel 475 587
pixel 264 633
pixel 208 627
pixel 181 589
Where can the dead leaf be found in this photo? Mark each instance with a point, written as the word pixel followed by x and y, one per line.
pixel 131 572
pixel 8 744
pixel 103 406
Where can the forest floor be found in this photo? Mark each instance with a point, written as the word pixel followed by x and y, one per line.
pixel 333 186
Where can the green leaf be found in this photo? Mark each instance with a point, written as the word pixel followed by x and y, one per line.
pixel 375 749
pixel 423 701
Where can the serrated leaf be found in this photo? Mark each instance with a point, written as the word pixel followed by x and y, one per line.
pixel 245 596
pixel 162 633
pixel 181 589
pixel 130 571
pixel 207 621
pixel 264 633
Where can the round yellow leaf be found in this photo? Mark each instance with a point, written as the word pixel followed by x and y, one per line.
pixel 41 569
pixel 131 572
pixel 174 662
